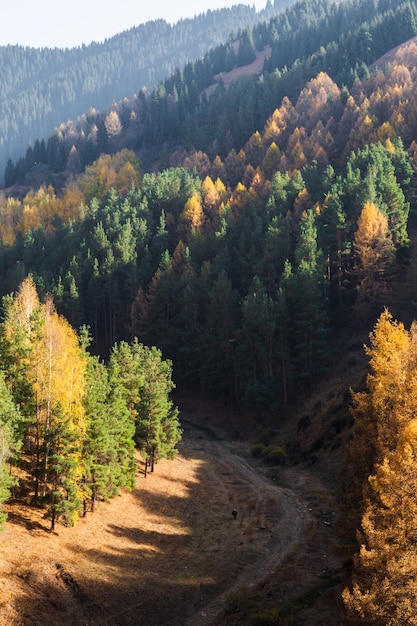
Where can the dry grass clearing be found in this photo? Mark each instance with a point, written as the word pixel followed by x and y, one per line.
pixel 168 553
pixel 252 69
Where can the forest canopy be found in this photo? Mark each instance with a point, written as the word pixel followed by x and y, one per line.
pixel 224 230
pixel 70 423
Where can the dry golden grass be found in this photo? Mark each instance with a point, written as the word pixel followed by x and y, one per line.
pixel 168 553
pixel 252 69
pixel 153 556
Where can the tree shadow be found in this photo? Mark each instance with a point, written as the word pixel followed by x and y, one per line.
pixel 145 576
pixel 159 568
pixel 21 514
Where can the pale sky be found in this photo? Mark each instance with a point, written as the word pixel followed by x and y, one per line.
pixel 50 23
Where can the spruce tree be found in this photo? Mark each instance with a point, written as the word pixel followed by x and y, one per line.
pixel 147 379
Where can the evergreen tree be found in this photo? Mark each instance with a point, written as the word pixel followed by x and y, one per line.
pixel 49 359
pixel 246 53
pixel 256 346
pixel 147 379
pixel 6 479
pixel 109 445
pixel 9 174
pixel 219 366
pixel 306 297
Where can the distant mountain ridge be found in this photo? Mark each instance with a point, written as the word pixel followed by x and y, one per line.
pixel 41 88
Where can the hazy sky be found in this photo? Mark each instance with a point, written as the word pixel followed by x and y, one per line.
pixel 43 23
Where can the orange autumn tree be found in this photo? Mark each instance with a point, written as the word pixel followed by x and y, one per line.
pixel 10 216
pixel 39 209
pixel 384 581
pixel 213 196
pixel 375 256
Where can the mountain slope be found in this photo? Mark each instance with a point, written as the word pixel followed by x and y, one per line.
pixel 40 88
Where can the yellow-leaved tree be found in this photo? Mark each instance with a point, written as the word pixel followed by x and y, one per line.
pixel 384 447
pixel 45 351
pixel 60 414
pixel 375 256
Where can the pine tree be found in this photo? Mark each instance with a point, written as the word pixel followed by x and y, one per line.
pixel 49 369
pixel 6 479
pixel 147 379
pixel 108 450
pixel 19 329
pixel 257 345
pixel 10 442
pixel 218 371
pixel 307 305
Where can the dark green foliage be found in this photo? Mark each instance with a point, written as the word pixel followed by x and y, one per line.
pixel 308 38
pixel 10 442
pixel 12 422
pixel 9 173
pixel 371 176
pixel 109 447
pixel 305 289
pixel 147 380
pixel 242 301
pixel 218 343
pixel 246 53
pixel 61 493
pixel 85 452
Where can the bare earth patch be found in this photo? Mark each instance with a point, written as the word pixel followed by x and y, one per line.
pixel 252 69
pixel 170 552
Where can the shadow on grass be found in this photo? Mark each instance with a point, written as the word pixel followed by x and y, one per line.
pixel 165 560
pixel 149 572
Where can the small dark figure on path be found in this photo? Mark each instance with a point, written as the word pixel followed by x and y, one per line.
pixel 234 513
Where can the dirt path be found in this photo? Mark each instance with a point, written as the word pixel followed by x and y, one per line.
pixel 169 553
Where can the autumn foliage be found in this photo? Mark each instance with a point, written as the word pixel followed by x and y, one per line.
pixel 71 436
pixel 385 569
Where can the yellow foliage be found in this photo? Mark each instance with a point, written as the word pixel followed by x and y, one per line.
pixel 210 194
pixel 385 133
pixel 60 370
pixel 54 366
pixel 118 171
pixel 384 587
pixel 221 189
pixel 20 314
pixel 375 255
pixel 30 219
pixel 270 163
pixel 192 214
pixel 10 218
pixel 69 206
pixel 274 126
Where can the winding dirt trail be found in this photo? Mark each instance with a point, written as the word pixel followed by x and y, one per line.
pixel 268 526
pixel 169 553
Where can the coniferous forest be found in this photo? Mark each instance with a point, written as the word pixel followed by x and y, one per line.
pixel 39 88
pixel 220 229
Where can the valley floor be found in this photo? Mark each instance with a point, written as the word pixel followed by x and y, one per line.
pixel 170 552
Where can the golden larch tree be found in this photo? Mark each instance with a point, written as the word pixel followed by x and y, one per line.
pixel 384 581
pixel 375 256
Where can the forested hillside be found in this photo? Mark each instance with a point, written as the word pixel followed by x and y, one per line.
pixel 40 88
pixel 235 222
